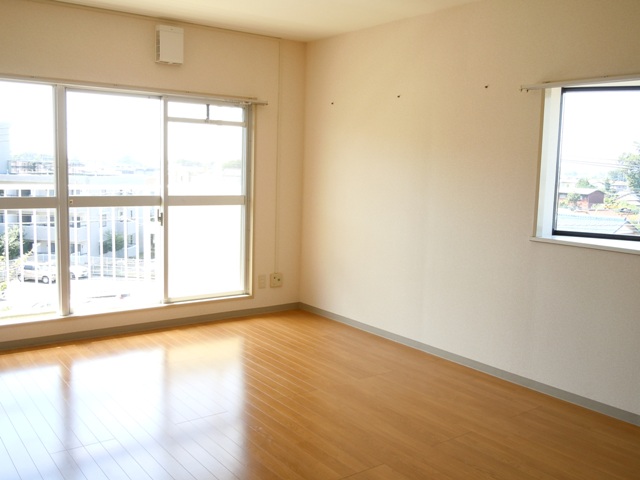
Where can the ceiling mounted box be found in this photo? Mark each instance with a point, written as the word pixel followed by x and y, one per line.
pixel 169 44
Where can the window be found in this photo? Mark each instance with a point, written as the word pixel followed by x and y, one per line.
pixel 155 196
pixel 590 170
pixel 207 192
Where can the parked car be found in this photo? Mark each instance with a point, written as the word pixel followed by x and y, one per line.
pixel 46 273
pixel 78 271
pixel 38 272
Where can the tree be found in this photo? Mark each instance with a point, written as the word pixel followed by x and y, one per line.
pixel 584 183
pixel 107 243
pixel 10 243
pixel 631 166
pixel 11 238
pixel 617 175
pixel 573 199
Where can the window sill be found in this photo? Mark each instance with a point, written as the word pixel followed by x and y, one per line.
pixel 620 246
pixel 150 312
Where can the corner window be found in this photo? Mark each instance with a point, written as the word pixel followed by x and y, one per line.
pixel 590 170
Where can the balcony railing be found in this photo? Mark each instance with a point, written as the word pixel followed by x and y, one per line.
pixel 129 268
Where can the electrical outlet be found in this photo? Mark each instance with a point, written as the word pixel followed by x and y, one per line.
pixel 276 280
pixel 262 280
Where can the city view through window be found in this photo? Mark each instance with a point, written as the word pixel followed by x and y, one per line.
pixel 598 189
pixel 118 215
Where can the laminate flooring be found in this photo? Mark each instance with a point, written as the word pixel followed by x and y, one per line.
pixel 286 396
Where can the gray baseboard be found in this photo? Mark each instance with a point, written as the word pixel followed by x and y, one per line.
pixel 599 407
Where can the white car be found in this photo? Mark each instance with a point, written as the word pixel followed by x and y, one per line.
pixel 78 271
pixel 45 273
pixel 38 272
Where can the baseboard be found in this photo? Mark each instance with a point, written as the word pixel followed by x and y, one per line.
pixel 599 407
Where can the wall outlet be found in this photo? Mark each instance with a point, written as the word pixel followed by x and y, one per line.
pixel 276 280
pixel 262 280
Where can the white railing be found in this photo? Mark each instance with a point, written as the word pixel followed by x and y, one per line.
pixel 130 268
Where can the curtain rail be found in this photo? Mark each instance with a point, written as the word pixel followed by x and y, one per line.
pixel 584 81
pixel 135 89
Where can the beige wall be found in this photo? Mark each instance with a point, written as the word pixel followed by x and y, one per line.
pixel 55 41
pixel 421 159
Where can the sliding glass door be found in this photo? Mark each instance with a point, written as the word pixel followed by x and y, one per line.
pixel 117 200
pixel 114 172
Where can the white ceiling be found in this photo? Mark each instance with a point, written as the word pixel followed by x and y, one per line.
pixel 303 20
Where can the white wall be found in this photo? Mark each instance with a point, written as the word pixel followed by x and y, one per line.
pixel 50 40
pixel 421 160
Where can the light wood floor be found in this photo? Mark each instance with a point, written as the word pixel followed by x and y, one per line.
pixel 287 396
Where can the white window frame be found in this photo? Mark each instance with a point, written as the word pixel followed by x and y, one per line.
pixel 243 199
pixel 63 202
pixel 548 168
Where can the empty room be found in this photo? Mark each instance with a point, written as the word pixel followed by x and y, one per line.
pixel 349 239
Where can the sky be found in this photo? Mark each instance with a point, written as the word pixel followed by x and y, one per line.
pixel 29 110
pixel 103 129
pixel 600 126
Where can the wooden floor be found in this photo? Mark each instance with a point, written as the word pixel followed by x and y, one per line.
pixel 287 396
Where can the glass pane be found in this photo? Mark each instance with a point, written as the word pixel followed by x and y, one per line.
pixel 28 268
pixel 201 111
pixel 194 111
pixel 206 251
pixel 599 178
pixel 113 258
pixel 27 145
pixel 114 144
pixel 228 114
pixel 205 159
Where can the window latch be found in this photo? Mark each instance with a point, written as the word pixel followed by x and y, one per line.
pixel 161 218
